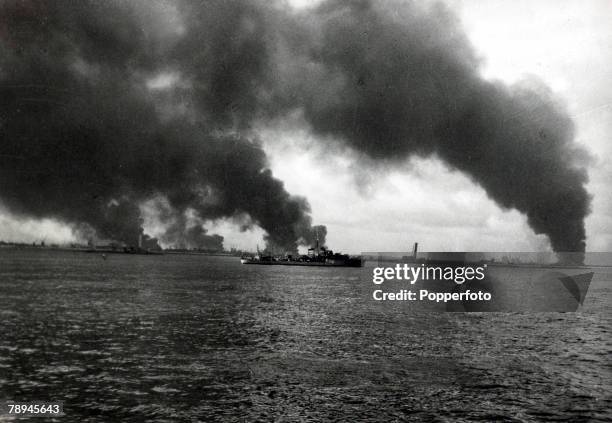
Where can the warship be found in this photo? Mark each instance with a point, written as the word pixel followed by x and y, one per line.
pixel 317 256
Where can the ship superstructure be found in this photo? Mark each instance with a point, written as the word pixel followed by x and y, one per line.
pixel 316 256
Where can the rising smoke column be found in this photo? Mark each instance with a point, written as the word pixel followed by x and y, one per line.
pixel 516 142
pixel 393 79
pixel 85 140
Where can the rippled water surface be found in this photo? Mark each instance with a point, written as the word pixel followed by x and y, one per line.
pixel 197 338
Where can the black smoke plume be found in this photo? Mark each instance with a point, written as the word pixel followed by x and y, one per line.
pixel 394 80
pixel 86 140
pixel 85 131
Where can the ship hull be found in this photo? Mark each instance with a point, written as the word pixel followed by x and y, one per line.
pixel 351 263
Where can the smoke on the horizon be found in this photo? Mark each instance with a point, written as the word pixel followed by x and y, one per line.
pixel 394 80
pixel 87 141
pixel 108 105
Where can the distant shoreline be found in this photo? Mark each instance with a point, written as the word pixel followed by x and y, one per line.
pixel 109 251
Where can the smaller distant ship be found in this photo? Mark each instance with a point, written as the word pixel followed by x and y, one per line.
pixel 317 256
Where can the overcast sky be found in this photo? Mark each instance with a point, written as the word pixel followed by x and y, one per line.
pixel 567 44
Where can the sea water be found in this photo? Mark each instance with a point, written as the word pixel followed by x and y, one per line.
pixel 202 338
